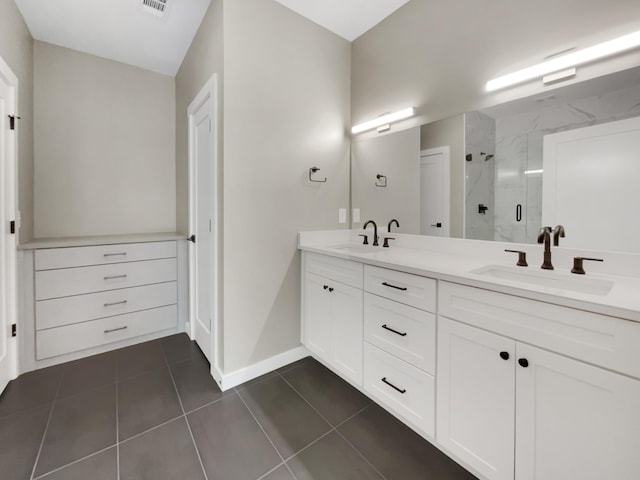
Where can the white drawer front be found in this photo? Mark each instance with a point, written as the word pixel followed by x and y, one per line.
pixel 338 269
pixel 598 339
pixel 80 308
pixel 412 399
pixel 419 292
pixel 72 338
pixel 79 280
pixel 48 259
pixel 406 332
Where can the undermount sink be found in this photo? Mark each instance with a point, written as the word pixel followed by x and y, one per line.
pixel 546 278
pixel 356 248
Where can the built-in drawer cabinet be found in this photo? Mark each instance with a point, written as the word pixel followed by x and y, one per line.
pixel 406 332
pixel 80 336
pixel 413 290
pixel 403 389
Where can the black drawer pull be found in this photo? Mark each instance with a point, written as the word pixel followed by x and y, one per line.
pixel 325 286
pixel 114 277
pixel 401 390
pixel 122 254
pixel 113 304
pixel 393 286
pixel 115 329
pixel 523 362
pixel 504 355
pixel 394 331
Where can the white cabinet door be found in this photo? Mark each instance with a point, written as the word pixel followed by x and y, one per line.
pixel 475 398
pixel 574 420
pixel 317 316
pixel 347 330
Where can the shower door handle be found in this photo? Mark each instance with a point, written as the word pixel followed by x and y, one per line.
pixel 518 213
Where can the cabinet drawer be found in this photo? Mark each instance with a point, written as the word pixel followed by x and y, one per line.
pixel 48 259
pixel 338 269
pixel 79 280
pixel 598 339
pixel 406 332
pixel 72 338
pixel 409 392
pixel 80 308
pixel 419 292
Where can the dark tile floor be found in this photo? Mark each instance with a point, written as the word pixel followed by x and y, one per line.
pixel 152 411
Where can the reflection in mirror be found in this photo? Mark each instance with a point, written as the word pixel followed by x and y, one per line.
pixel 513 168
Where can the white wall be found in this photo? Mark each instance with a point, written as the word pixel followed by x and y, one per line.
pixel 286 109
pixel 16 48
pixel 104 146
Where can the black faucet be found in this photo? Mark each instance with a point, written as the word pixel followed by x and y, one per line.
pixel 558 232
pixel 545 236
pixel 375 232
pixel 391 222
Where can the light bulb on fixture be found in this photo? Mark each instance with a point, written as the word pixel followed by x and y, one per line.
pixel 384 120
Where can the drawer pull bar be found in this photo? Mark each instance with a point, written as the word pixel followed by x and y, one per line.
pixel 113 277
pixel 115 303
pixel 401 390
pixel 115 329
pixel 404 289
pixel 394 331
pixel 107 255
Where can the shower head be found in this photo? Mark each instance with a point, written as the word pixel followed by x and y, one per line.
pixel 487 156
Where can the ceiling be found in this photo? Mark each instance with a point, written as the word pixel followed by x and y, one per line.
pixel 120 30
pixel 347 18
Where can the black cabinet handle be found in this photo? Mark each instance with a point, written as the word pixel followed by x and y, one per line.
pixel 393 286
pixel 330 289
pixel 523 362
pixel 504 355
pixel 325 286
pixel 401 390
pixel 518 213
pixel 394 331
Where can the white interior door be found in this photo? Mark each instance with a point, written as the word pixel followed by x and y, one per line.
pixel 202 163
pixel 8 84
pixel 435 192
pixel 590 185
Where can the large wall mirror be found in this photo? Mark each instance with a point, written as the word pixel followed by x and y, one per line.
pixel 568 156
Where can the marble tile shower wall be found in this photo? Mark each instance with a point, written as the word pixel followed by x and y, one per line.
pixel 479 133
pixel 518 148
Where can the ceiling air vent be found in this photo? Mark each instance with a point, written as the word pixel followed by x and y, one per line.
pixel 157 8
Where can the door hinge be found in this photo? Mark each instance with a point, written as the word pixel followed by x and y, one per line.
pixel 12 227
pixel 14 330
pixel 12 121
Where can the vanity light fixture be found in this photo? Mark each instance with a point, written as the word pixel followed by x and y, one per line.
pixel 533 172
pixel 385 119
pixel 566 62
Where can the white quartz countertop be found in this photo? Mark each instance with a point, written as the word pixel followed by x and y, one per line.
pixel 100 240
pixel 622 301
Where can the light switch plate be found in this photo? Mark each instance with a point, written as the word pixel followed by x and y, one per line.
pixel 356 215
pixel 342 215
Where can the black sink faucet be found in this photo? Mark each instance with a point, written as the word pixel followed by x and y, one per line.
pixel 558 232
pixel 375 232
pixel 391 222
pixel 545 236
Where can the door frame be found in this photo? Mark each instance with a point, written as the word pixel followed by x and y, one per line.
pixel 445 152
pixel 10 189
pixel 208 91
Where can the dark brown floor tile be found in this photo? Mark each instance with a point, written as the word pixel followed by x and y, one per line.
pixel 231 444
pixel 296 364
pixel 165 453
pixel 30 390
pixel 257 380
pixel 288 420
pixel 20 437
pixel 195 384
pixel 138 359
pixel 334 398
pixel 331 458
pixel 88 373
pixel 280 473
pixel 396 450
pixel 101 466
pixel 145 402
pixel 178 348
pixel 79 426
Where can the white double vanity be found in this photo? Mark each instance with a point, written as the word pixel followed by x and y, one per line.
pixel 515 372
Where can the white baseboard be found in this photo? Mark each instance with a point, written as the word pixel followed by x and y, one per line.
pixel 233 379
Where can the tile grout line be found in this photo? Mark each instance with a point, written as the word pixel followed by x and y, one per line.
pixel 265 434
pixel 336 427
pixel 186 420
pixel 46 428
pixel 45 475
